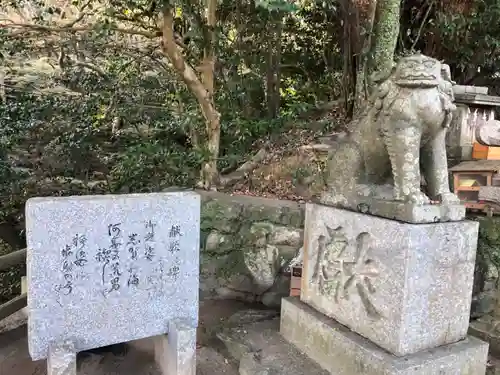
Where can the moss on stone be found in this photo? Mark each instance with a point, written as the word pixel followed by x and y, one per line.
pixel 487 266
pixel 216 214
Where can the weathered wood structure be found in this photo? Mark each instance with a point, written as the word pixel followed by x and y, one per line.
pixel 15 304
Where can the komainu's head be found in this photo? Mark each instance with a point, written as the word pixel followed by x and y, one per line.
pixel 420 71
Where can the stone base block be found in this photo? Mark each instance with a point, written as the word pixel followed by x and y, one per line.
pixel 405 287
pixel 487 328
pixel 342 352
pixel 62 359
pixel 407 212
pixel 175 353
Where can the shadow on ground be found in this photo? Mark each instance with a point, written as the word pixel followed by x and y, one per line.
pixel 136 357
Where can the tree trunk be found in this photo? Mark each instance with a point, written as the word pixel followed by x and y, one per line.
pixel 209 173
pixel 384 39
pixel 350 40
pixel 366 21
pixel 273 66
pixel 201 89
pixel 358 26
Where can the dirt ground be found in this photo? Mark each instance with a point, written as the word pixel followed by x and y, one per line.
pixel 138 356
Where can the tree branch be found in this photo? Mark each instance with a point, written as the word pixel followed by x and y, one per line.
pixel 419 33
pixel 245 169
pixel 183 68
pixel 73 29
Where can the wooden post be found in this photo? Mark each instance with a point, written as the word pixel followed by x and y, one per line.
pixel 12 259
pixel 24 285
pixel 13 306
pixel 175 352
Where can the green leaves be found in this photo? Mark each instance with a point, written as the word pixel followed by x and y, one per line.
pixel 286 6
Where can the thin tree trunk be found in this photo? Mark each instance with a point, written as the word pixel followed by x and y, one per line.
pixel 366 18
pixel 209 172
pixel 202 89
pixel 358 27
pixel 273 66
pixel 349 73
pixel 385 37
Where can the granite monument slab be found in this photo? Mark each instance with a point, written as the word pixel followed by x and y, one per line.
pixel 109 269
pixel 406 287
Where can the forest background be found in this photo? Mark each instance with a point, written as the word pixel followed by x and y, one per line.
pixel 118 96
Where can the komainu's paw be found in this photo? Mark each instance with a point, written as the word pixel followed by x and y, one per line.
pixel 449 198
pixel 418 198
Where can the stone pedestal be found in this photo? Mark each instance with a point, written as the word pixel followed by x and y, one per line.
pixel 342 352
pixel 380 296
pixel 406 287
pixel 175 353
pixel 62 359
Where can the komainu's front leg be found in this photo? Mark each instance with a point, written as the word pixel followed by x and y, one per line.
pixel 435 166
pixel 403 146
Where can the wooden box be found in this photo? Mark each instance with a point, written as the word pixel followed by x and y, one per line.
pixel 470 176
pixel 480 151
pixel 296 281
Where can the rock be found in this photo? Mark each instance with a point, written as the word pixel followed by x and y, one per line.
pixel 263 264
pixel 286 236
pixel 228 293
pixel 251 364
pixel 217 242
pixel 251 316
pixel 261 350
pixel 233 336
pixel 245 242
pixel 281 288
pixel 210 362
pixel 236 346
pixel 482 304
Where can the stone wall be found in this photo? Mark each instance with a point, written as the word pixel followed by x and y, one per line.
pixel 487 267
pixel 246 243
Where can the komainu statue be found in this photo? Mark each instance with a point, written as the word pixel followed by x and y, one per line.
pixel 400 133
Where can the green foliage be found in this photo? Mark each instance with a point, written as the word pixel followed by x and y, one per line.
pixel 278 5
pixel 466 35
pixel 488 245
pixel 101 104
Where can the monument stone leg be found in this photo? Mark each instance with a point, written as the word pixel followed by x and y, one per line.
pixel 61 359
pixel 175 352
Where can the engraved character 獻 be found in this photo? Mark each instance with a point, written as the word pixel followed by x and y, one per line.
pixel 337 276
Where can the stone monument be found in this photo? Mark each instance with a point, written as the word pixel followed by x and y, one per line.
pixel 475 109
pixel 387 276
pixel 110 269
pixel 488 134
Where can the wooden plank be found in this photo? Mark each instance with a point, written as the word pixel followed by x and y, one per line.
pixel 477 166
pixel 13 306
pixel 469 188
pixel 12 259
